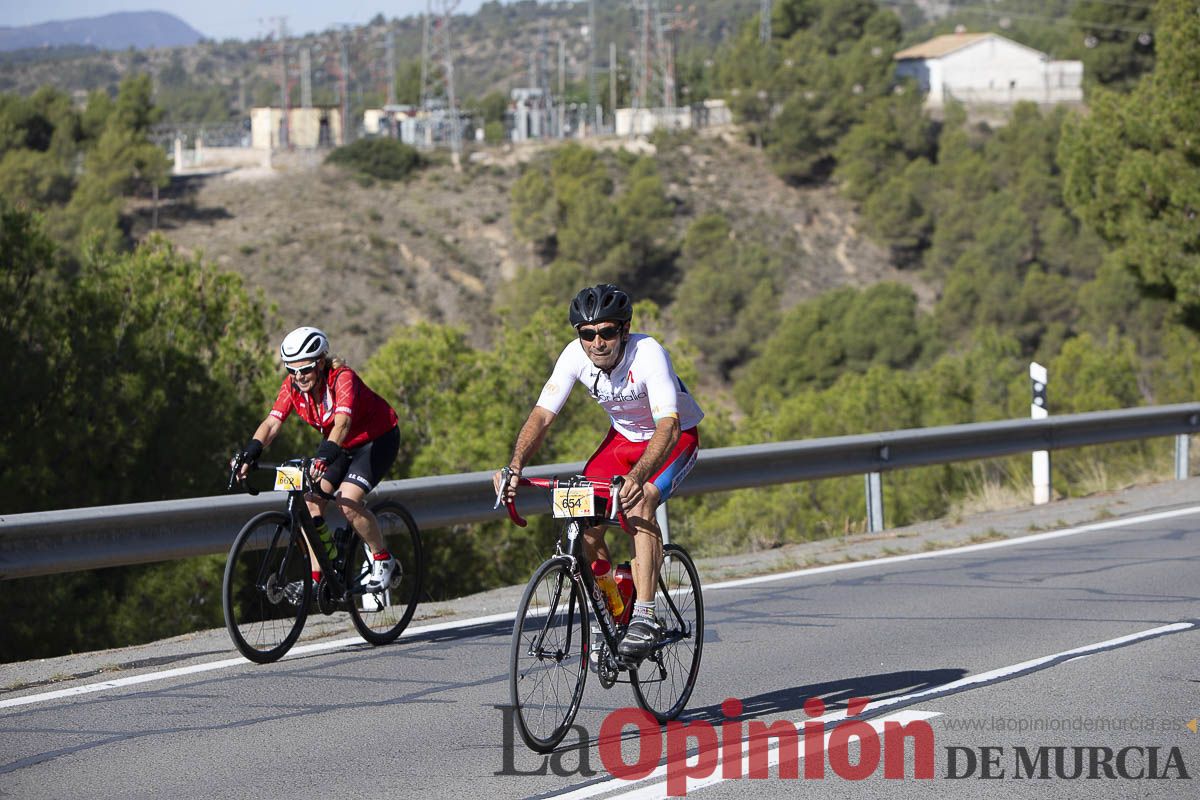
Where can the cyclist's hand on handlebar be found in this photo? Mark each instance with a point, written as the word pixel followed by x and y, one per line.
pixel 244 461
pixel 240 466
pixel 316 468
pixel 326 453
pixel 506 493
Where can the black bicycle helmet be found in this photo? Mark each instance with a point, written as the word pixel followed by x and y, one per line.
pixel 600 303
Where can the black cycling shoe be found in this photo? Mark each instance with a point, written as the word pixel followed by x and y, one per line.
pixel 640 638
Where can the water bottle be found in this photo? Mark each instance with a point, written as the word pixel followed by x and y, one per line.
pixel 624 578
pixel 604 579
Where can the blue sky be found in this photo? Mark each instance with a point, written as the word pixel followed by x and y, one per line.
pixel 227 19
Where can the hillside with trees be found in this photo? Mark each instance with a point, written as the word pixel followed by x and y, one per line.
pixel 1063 237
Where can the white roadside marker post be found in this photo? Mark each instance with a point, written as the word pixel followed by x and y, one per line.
pixel 1041 458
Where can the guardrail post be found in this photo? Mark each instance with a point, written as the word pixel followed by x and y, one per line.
pixel 1182 443
pixel 660 514
pixel 874 481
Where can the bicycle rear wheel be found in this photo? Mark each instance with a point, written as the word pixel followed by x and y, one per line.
pixel 382 616
pixel 264 616
pixel 548 659
pixel 663 682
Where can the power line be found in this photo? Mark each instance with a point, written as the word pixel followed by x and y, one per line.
pixel 591 54
pixel 437 72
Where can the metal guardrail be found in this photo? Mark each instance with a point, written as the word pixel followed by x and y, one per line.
pixel 47 542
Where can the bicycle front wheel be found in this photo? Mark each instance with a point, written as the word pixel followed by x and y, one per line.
pixel 548 661
pixel 663 682
pixel 266 589
pixel 382 616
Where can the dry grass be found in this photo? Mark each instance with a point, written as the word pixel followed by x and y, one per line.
pixel 1096 477
pixel 999 486
pixel 990 494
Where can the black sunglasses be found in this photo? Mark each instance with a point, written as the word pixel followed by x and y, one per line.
pixel 607 334
pixel 298 371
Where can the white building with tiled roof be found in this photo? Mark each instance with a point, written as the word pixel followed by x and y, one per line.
pixel 987 69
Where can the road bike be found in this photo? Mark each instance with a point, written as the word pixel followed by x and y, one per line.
pixel 268 589
pixel 551 649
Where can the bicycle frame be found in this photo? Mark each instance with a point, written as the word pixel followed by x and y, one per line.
pixel 580 567
pixel 548 665
pixel 301 525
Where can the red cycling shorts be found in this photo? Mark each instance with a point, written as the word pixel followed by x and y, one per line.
pixel 616 455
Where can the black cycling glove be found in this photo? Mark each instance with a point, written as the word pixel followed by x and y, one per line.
pixel 326 453
pixel 252 452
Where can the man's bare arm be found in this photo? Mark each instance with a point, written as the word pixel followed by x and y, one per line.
pixel 666 436
pixel 528 441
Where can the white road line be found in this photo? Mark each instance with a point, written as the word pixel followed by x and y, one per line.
pixel 466 623
pixel 212 666
pixel 657 786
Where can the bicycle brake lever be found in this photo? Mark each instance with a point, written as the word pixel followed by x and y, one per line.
pixel 615 494
pixel 505 474
pixel 310 488
pixel 235 465
pixel 614 488
pixel 240 480
pixel 510 505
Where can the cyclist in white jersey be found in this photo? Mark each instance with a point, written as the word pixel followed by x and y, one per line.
pixel 652 443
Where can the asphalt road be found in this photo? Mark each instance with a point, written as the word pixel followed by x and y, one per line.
pixel 1064 642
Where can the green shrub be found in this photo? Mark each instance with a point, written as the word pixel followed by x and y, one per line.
pixel 495 133
pixel 385 159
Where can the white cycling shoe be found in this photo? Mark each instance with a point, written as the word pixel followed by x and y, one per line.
pixel 383 573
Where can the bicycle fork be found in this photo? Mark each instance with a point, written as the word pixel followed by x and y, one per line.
pixel 535 645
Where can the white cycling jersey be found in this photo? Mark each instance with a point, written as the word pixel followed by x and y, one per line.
pixel 640 390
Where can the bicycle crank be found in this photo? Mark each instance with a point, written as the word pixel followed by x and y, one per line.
pixel 325 599
pixel 607 670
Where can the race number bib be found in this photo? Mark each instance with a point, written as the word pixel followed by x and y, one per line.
pixel 574 501
pixel 288 479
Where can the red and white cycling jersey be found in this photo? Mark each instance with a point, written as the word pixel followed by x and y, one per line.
pixel 343 393
pixel 640 390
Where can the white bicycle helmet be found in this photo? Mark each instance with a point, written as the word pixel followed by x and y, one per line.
pixel 304 344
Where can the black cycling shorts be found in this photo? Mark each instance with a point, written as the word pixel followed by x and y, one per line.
pixel 366 464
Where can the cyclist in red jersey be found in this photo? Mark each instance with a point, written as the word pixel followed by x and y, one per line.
pixel 361 438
